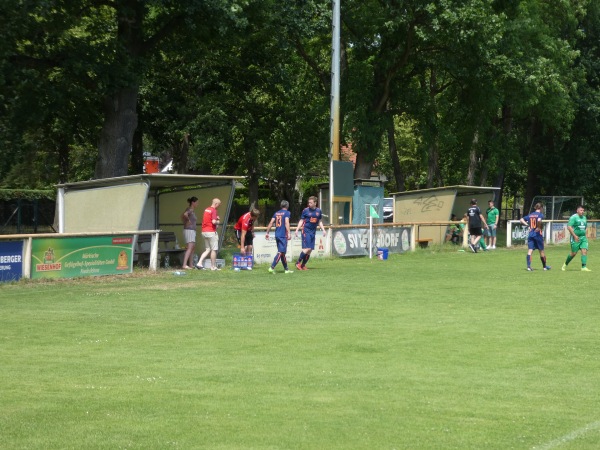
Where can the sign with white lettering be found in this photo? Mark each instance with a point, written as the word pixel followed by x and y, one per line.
pixel 519 234
pixel 11 260
pixel 355 241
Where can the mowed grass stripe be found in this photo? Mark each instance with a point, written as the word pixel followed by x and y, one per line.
pixel 434 349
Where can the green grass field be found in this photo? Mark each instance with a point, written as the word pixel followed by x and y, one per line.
pixel 428 350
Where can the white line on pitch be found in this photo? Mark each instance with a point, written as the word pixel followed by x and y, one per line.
pixel 569 437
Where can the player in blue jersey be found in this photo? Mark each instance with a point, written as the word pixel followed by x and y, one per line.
pixel 281 219
pixel 535 240
pixel 310 219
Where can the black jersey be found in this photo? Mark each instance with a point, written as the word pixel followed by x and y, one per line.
pixel 474 215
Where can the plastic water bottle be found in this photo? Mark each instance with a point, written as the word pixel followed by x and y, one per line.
pixel 195 259
pixel 167 261
pixel 179 272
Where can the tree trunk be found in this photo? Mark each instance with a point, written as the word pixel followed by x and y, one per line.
pixel 120 113
pixel 472 160
pixel 483 166
pixel 253 193
pixel 433 168
pixel 507 125
pixel 116 137
pixel 398 173
pixel 137 150
pixel 185 152
pixel 499 198
pixel 532 182
pixel 531 188
pixel 363 168
pixel 63 160
pixel 180 154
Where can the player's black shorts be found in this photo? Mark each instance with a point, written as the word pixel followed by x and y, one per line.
pixel 475 231
pixel 249 237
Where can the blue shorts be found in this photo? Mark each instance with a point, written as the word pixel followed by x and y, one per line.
pixel 308 240
pixel 491 231
pixel 281 244
pixel 535 242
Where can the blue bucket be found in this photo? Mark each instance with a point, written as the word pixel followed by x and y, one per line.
pixel 382 253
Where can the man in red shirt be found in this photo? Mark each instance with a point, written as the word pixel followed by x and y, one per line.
pixel 210 220
pixel 244 231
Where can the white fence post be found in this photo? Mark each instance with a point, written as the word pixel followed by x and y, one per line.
pixel 154 252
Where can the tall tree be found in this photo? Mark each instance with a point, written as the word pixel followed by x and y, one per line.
pixel 247 103
pixel 142 27
pixel 47 79
pixel 539 86
pixel 102 49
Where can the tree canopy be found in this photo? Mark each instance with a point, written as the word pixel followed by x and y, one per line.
pixel 434 92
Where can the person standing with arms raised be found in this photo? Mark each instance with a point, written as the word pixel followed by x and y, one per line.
pixel 210 220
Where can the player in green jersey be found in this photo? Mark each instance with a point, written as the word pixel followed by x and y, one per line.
pixel 493 215
pixel 576 226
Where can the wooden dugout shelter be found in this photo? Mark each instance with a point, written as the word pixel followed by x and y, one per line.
pixel 140 202
pixel 429 206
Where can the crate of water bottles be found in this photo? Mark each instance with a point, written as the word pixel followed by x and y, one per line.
pixel 242 262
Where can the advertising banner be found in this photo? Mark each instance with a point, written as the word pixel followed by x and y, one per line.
pixel 81 256
pixel 265 250
pixel 592 230
pixel 519 234
pixel 355 241
pixel 11 260
pixel 560 234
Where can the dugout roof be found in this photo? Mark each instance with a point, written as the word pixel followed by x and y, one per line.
pixel 438 204
pixel 139 202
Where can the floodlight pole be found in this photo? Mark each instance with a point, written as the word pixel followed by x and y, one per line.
pixel 334 138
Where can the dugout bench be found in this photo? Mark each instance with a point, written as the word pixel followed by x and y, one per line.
pixel 423 243
pixel 169 251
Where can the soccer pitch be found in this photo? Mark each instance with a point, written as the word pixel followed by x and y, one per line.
pixel 427 350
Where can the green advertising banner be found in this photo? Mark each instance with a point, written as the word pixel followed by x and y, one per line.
pixel 81 256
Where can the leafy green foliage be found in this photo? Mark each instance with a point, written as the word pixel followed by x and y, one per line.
pixel 26 194
pixel 503 93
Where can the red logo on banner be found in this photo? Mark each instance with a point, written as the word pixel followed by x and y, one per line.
pixel 121 240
